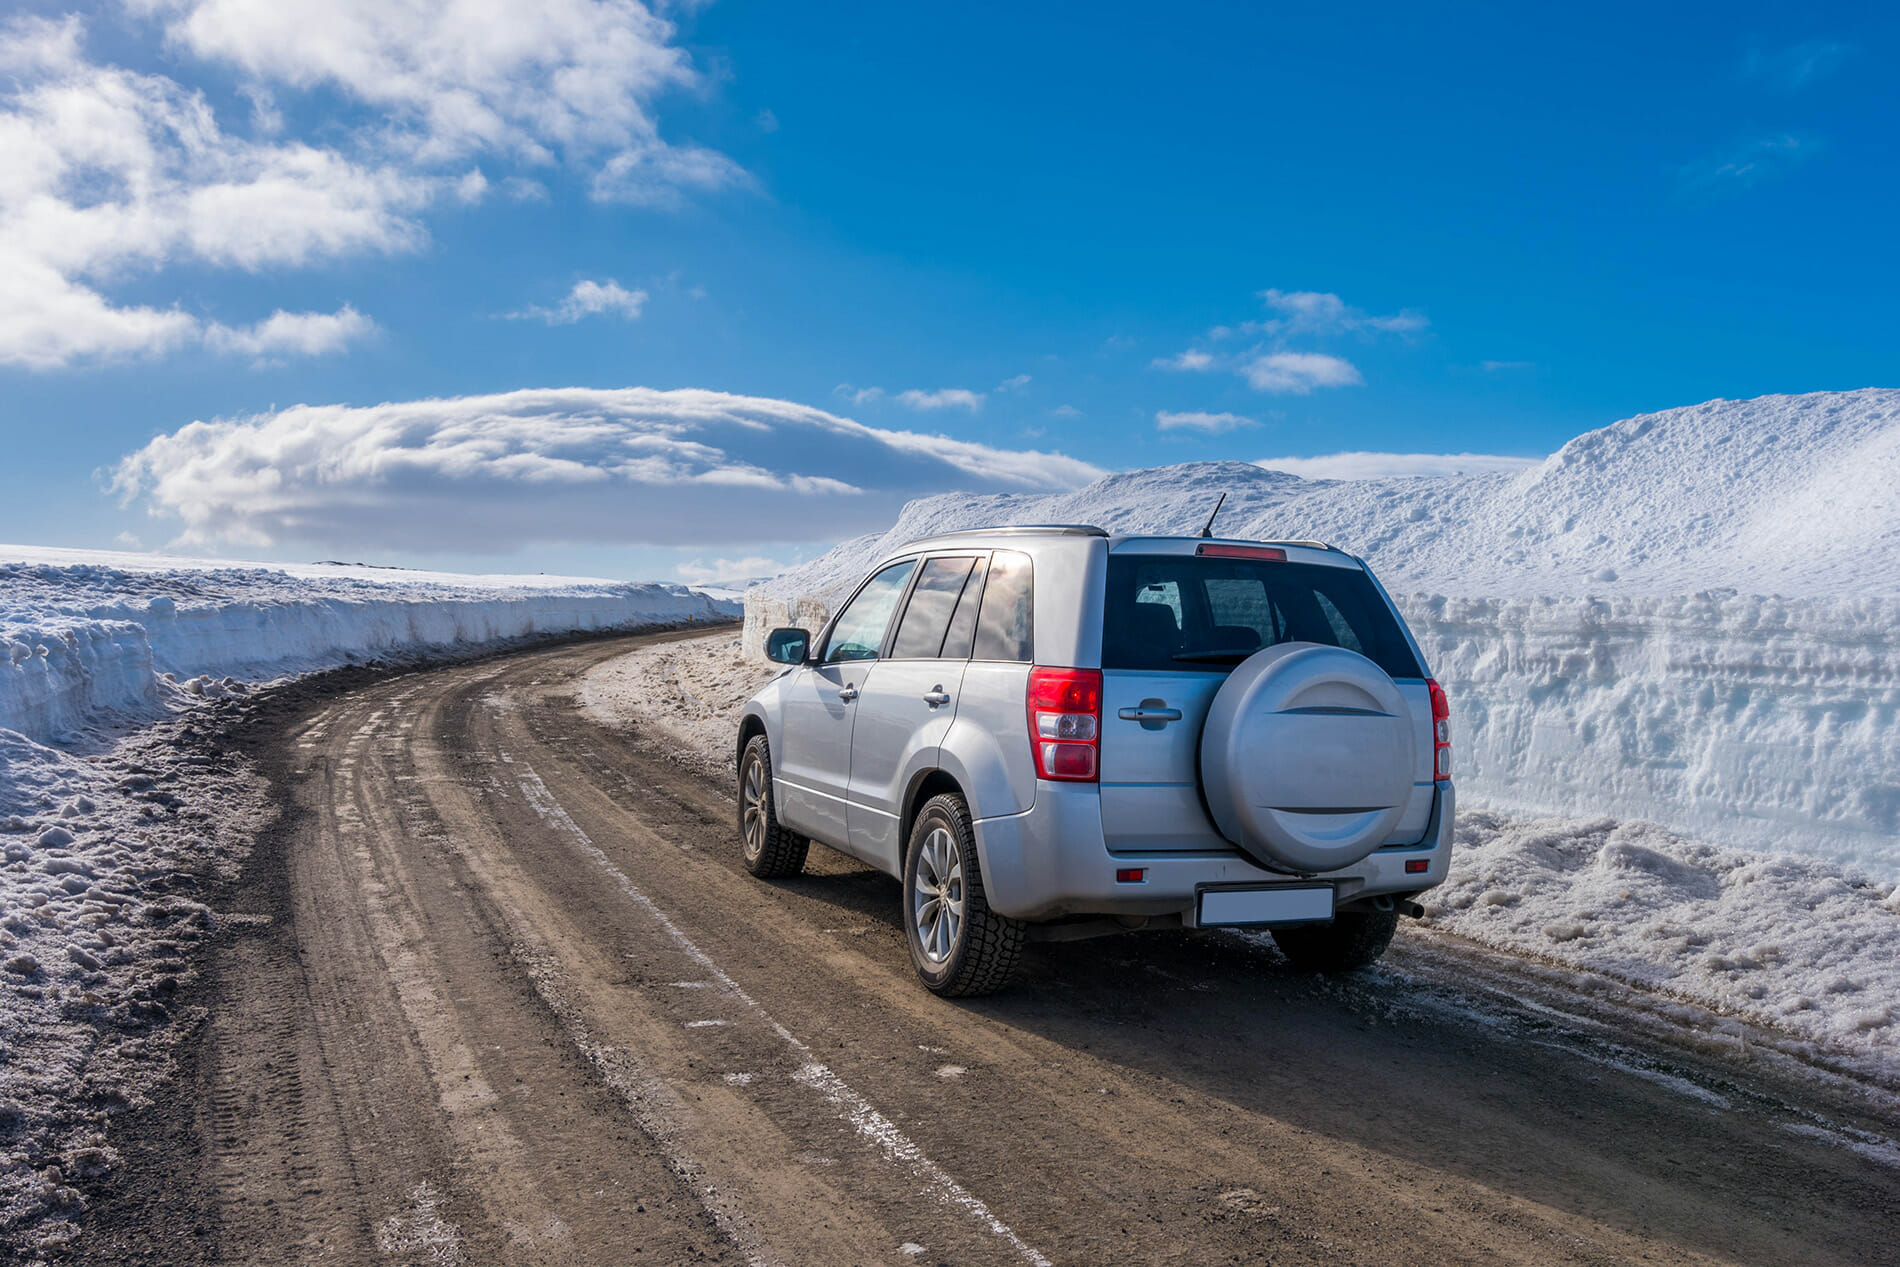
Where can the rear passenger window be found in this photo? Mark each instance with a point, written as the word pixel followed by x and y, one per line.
pixel 927 616
pixel 958 643
pixel 1005 627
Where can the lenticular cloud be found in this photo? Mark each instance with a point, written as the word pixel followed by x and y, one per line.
pixel 625 465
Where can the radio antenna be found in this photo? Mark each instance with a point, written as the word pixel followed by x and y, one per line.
pixel 1208 529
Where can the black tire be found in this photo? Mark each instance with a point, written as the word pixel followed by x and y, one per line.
pixel 768 847
pixel 976 952
pixel 1355 939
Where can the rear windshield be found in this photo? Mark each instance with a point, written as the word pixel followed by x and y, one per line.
pixel 1180 612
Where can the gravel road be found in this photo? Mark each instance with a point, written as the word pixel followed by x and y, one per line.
pixel 503 994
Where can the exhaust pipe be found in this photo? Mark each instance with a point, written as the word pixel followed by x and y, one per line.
pixel 1404 906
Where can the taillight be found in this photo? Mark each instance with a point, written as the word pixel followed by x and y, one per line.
pixel 1441 732
pixel 1065 723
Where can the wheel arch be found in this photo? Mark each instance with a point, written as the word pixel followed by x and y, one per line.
pixel 749 725
pixel 928 783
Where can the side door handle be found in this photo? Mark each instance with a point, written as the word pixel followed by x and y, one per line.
pixel 1149 715
pixel 936 695
pixel 847 693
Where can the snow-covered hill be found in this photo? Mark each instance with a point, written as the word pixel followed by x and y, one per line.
pixel 1691 617
pixel 1789 495
pixel 88 634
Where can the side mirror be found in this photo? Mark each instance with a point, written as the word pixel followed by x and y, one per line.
pixel 787 646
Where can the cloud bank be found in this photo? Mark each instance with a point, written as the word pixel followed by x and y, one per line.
pixel 563 465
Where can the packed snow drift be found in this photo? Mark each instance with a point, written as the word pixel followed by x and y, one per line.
pixel 1688 617
pixel 88 634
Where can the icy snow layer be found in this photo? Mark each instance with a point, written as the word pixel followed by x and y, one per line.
pixel 1779 942
pixel 1771 724
pixel 1793 495
pixel 1606 646
pixel 84 633
pixel 99 863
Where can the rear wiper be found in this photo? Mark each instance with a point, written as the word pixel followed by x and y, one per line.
pixel 1212 657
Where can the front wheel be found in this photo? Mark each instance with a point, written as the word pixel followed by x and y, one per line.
pixel 1355 939
pixel 960 946
pixel 769 848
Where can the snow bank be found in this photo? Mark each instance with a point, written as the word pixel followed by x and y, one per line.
pixel 84 633
pixel 101 862
pixel 1688 617
pixel 1779 942
pixel 686 694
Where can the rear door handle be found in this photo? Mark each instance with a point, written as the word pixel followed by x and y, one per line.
pixel 936 695
pixel 1146 714
pixel 848 693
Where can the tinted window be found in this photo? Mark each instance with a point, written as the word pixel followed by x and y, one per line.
pixel 1005 626
pixel 927 615
pixel 859 633
pixel 961 639
pixel 1183 612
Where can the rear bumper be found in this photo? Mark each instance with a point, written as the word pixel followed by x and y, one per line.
pixel 1051 861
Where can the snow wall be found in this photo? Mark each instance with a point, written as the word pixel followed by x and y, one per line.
pixel 78 642
pixel 1593 665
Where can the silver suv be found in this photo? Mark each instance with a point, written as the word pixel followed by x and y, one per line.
pixel 1048 733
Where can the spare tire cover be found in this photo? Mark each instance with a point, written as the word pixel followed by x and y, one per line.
pixel 1307 757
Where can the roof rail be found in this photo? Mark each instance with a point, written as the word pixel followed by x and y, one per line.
pixel 1017 530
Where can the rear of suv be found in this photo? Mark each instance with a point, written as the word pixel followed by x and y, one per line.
pixel 1049 733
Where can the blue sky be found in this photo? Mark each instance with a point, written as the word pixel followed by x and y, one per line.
pixel 858 253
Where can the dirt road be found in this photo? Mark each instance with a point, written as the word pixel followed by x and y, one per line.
pixel 505 996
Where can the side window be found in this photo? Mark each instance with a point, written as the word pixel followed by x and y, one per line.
pixel 1005 627
pixel 927 616
pixel 961 639
pixel 859 633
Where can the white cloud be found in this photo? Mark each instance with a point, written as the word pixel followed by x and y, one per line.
pixel 725 571
pixel 111 175
pixel 557 80
pixel 1372 466
pixel 1213 424
pixel 486 473
pixel 1192 359
pixel 765 121
pixel 859 395
pixel 588 299
pixel 1298 373
pixel 1012 384
pixel 943 398
pixel 472 187
pixel 1320 313
pixel 1066 411
pixel 291 334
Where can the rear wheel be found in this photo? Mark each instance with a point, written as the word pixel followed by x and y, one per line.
pixel 1355 939
pixel 960 946
pixel 768 847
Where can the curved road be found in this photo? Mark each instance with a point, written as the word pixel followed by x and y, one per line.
pixel 504 995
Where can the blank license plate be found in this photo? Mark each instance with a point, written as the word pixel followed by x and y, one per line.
pixel 1224 907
